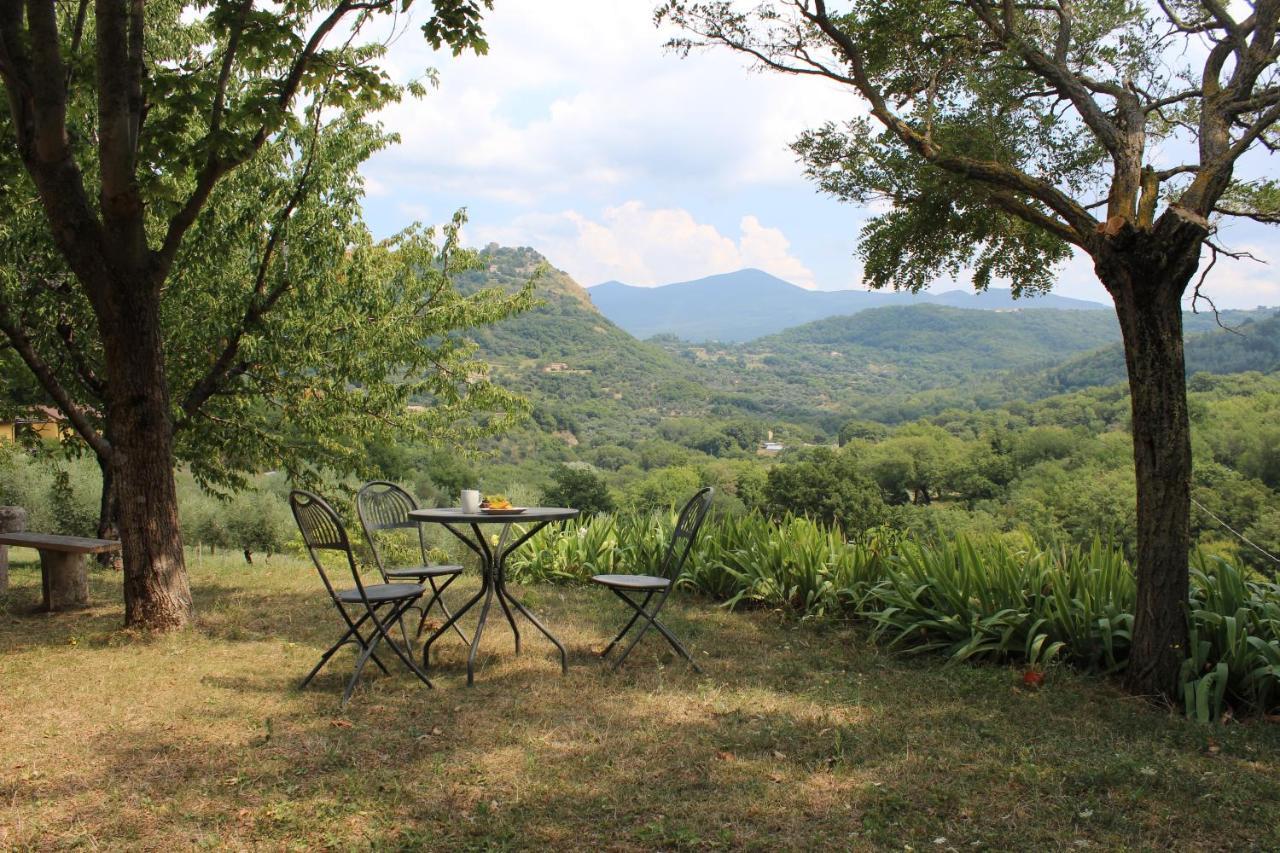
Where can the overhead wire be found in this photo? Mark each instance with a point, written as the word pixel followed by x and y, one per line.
pixel 1255 546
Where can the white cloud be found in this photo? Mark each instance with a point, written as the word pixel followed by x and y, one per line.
pixel 770 250
pixel 577 98
pixel 648 246
pixel 415 212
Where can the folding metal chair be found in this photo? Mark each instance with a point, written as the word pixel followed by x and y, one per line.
pixel 656 588
pixel 369 610
pixel 382 505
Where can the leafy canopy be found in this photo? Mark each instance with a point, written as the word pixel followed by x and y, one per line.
pixel 292 338
pixel 995 134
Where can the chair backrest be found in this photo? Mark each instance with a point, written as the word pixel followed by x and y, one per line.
pixel 322 530
pixel 685 532
pixel 382 505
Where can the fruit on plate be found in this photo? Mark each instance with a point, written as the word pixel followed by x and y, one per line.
pixel 495 502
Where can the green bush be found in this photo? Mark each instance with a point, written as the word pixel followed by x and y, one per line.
pixel 578 487
pixel 1234 658
pixel 59 495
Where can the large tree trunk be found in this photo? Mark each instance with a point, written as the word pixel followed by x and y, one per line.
pixel 156 593
pixel 1147 280
pixel 1162 462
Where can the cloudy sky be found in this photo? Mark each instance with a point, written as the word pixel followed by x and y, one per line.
pixel 580 136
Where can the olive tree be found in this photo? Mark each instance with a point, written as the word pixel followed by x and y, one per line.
pixel 1001 135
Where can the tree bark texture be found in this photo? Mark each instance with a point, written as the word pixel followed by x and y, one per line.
pixel 156 592
pixel 1147 279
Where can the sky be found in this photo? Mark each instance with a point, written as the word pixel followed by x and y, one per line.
pixel 581 136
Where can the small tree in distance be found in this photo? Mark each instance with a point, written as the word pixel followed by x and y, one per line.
pixel 578 487
pixel 1002 133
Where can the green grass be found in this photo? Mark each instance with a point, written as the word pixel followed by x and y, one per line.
pixel 801 735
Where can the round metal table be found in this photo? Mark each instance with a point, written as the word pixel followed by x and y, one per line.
pixel 493 569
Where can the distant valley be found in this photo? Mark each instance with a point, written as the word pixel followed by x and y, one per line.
pixel 750 303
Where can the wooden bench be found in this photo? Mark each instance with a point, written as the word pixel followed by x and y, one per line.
pixel 62 569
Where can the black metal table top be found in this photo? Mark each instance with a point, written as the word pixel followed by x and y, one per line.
pixel 533 513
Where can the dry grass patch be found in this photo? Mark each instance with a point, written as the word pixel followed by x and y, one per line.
pixel 799 736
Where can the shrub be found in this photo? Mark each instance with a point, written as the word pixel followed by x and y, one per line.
pixel 578 487
pixel 827 486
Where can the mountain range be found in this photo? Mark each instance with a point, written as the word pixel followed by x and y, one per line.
pixel 591 382
pixel 750 303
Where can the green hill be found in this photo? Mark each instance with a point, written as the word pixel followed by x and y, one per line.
pixel 592 383
pixel 583 374
pixel 836 367
pixel 1248 343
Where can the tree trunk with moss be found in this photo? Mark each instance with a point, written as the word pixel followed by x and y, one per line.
pixel 1147 273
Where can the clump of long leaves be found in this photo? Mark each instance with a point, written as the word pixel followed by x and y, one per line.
pixel 984 599
pixel 796 565
pixel 969 598
pixel 599 545
pixel 1234 658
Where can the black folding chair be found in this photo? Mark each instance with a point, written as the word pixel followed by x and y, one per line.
pixel 656 588
pixel 382 505
pixel 369 610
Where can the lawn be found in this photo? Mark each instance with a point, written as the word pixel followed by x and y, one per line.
pixel 799 736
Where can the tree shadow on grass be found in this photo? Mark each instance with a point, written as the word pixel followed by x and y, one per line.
pixel 23 624
pixel 660 759
pixel 799 736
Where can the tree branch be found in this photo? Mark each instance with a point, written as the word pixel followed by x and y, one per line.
pixel 78 417
pixel 992 173
pixel 35 83
pixel 1256 216
pixel 85 373
pixel 216 166
pixel 118 91
pixel 77 34
pixel 260 301
pixel 224 73
pixel 1013 205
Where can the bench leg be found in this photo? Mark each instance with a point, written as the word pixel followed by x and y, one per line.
pixel 66 581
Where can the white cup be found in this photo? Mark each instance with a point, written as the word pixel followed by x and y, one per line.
pixel 470 500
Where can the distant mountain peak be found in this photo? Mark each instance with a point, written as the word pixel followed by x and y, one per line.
pixel 765 304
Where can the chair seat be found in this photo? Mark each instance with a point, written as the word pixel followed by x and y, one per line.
pixel 382 592
pixel 424 571
pixel 632 581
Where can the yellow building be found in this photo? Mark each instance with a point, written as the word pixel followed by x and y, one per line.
pixel 45 422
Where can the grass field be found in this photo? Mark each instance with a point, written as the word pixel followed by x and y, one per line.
pixel 799 736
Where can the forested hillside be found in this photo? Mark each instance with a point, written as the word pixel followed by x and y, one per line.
pixel 581 372
pixel 593 384
pixel 950 419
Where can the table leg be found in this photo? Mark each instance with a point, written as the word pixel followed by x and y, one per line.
pixel 504 595
pixel 511 619
pixel 65 580
pixel 564 657
pixel 452 620
pixel 489 591
pixel 493 583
